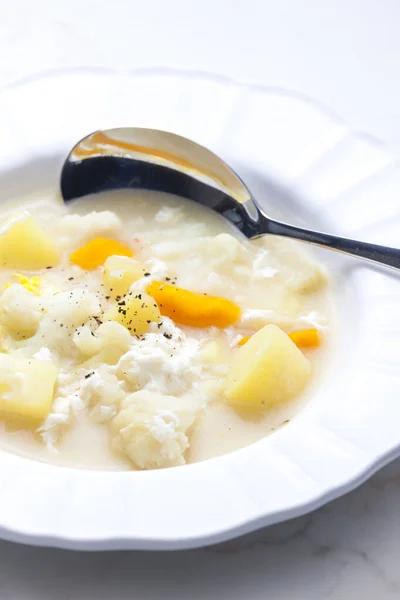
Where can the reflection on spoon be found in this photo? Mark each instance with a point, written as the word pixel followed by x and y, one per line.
pixel 132 158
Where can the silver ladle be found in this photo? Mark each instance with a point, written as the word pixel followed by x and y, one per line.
pixel 136 158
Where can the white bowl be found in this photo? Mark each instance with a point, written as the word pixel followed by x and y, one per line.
pixel 311 168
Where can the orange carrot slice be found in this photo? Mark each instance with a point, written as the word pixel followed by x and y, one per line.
pixel 191 308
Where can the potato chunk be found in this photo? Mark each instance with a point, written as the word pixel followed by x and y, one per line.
pixel 119 274
pixel 135 313
pixel 26 386
pixel 25 245
pixel 267 370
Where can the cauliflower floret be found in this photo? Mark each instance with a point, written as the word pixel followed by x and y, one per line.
pixel 107 334
pixel 65 312
pixel 152 429
pixel 263 267
pixel 222 252
pixel 298 269
pixel 169 214
pixel 77 228
pixel 100 390
pixel 106 391
pixel 69 399
pixel 161 363
pixel 20 311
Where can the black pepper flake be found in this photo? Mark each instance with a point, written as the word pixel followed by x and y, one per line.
pixel 98 321
pixel 148 321
pixel 139 296
pixel 61 324
pixel 69 278
pixel 122 303
pixel 107 297
pixel 167 335
pixel 89 375
pixel 168 279
pixel 49 267
pixel 118 298
pixel 147 274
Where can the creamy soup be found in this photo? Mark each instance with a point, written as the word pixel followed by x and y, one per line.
pixel 140 331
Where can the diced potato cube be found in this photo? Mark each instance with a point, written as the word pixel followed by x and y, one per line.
pixel 135 313
pixel 25 245
pixel 26 386
pixel 267 370
pixel 119 274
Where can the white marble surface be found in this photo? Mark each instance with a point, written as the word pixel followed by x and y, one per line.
pixel 347 550
pixel 345 54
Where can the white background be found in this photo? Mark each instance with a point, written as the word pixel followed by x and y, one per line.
pixel 343 53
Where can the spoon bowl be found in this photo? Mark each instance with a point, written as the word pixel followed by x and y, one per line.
pixel 139 158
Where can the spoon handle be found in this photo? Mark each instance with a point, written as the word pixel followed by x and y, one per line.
pixel 383 255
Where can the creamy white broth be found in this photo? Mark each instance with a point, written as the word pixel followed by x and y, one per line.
pixel 154 222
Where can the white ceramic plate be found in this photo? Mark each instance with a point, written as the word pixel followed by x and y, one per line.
pixel 303 162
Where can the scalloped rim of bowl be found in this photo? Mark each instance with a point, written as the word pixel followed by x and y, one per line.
pixel 324 452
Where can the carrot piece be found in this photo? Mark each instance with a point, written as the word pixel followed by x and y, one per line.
pixel 307 338
pixel 94 253
pixel 191 308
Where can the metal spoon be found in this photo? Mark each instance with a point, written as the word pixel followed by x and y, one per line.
pixel 157 160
